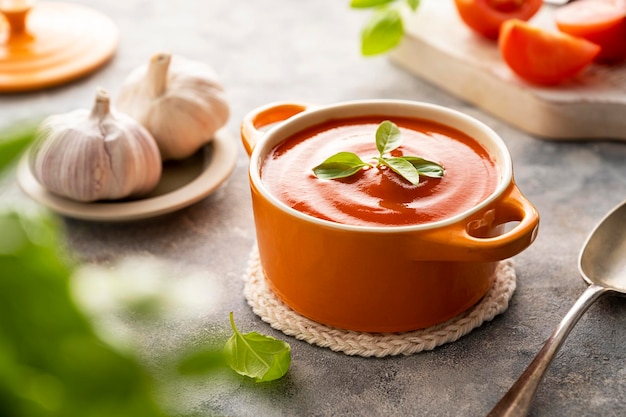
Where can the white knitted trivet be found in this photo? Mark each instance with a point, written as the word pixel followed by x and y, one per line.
pixel 272 310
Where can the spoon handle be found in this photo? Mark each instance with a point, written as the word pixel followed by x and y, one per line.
pixel 516 402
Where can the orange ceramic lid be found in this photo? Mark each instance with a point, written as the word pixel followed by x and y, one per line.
pixel 51 43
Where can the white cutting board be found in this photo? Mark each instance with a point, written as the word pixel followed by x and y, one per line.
pixel 439 47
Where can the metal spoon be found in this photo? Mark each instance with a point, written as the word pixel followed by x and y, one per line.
pixel 602 263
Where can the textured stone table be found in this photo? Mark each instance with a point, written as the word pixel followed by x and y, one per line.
pixel 308 51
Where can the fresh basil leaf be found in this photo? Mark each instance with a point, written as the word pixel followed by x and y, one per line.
pixel 426 167
pixel 403 168
pixel 413 4
pixel 257 356
pixel 382 32
pixel 340 165
pixel 362 4
pixel 388 137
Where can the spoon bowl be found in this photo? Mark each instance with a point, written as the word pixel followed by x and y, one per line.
pixel 602 264
pixel 603 258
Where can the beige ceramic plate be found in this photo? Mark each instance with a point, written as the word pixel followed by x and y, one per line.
pixel 182 184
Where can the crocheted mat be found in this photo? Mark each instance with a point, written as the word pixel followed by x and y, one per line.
pixel 272 310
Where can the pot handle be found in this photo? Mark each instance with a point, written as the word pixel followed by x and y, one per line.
pixel 463 243
pixel 264 116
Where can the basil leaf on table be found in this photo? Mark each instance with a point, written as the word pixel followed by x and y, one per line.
pixel 257 356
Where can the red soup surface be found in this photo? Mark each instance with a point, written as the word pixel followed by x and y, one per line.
pixel 378 196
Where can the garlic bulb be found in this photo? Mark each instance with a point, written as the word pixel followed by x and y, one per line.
pixel 179 101
pixel 95 155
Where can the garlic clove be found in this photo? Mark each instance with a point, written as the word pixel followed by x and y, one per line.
pixel 181 102
pixel 95 155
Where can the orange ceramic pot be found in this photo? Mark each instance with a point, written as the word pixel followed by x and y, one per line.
pixel 382 279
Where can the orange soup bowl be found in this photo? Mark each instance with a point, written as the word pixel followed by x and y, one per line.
pixel 382 278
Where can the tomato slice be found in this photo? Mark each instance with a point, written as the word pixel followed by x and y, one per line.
pixel 541 56
pixel 486 16
pixel 602 22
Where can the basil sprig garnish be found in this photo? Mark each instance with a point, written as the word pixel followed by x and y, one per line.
pixel 388 138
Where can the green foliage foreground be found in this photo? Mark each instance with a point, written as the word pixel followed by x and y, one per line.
pixel 51 362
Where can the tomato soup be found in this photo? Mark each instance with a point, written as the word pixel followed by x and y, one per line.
pixel 377 196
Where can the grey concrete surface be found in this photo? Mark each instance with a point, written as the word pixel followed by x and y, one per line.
pixel 308 51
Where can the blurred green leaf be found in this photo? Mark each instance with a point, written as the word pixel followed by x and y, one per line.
pixel 51 362
pixel 383 31
pixel 203 360
pixel 413 4
pixel 13 141
pixel 362 4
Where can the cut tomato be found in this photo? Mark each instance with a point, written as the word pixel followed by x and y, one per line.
pixel 544 57
pixel 486 16
pixel 602 22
